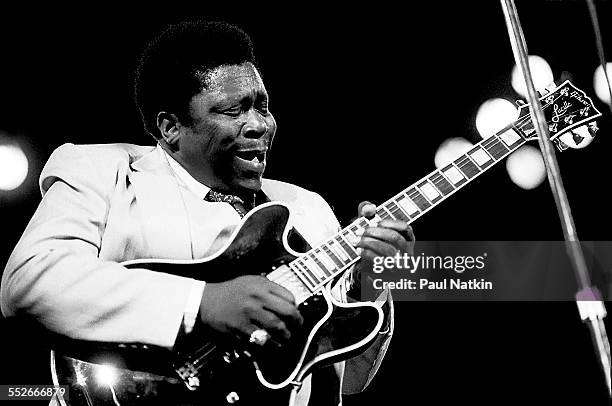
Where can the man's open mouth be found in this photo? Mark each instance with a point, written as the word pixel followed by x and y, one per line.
pixel 255 156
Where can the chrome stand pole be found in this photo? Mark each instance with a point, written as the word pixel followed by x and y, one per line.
pixel 588 298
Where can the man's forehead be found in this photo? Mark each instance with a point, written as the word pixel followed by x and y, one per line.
pixel 230 79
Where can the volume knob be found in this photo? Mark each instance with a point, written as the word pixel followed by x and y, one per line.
pixel 232 398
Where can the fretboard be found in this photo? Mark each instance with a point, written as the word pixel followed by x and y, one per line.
pixel 308 273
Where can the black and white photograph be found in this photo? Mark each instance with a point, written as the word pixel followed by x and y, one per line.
pixel 258 204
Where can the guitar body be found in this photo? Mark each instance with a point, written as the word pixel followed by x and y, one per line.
pixel 210 370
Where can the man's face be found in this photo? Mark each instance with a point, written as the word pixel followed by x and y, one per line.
pixel 232 130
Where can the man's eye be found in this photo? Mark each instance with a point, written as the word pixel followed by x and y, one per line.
pixel 263 108
pixel 234 111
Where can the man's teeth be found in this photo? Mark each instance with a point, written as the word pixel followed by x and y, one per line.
pixel 255 160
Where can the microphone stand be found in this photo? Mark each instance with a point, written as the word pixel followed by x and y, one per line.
pixel 588 298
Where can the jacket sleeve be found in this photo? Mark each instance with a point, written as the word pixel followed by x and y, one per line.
pixel 55 276
pixel 360 370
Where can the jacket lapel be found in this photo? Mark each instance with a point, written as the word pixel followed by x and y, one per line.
pixel 164 218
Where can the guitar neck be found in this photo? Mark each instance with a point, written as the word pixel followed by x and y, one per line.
pixel 325 262
pixel 422 196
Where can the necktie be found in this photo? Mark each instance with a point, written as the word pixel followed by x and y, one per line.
pixel 236 202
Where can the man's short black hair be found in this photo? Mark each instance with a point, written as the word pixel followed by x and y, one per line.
pixel 174 66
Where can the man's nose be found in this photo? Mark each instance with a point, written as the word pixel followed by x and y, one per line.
pixel 256 126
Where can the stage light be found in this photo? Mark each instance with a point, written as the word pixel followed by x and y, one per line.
pixel 450 149
pixel 600 84
pixel 13 167
pixel 540 73
pixel 526 167
pixel 106 374
pixel 493 115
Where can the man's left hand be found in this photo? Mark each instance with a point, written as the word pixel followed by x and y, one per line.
pixel 388 239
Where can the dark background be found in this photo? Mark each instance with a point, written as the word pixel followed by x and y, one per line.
pixel 363 96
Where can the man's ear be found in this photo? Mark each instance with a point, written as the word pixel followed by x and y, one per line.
pixel 169 127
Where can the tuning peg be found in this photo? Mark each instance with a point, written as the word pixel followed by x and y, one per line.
pixel 561 146
pixel 577 138
pixel 593 128
pixel 520 103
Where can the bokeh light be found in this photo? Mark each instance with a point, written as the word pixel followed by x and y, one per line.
pixel 526 167
pixel 13 166
pixel 600 84
pixel 493 115
pixel 541 73
pixel 450 149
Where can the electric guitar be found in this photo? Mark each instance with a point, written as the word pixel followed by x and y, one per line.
pixel 214 371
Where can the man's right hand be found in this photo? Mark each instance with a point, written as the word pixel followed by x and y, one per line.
pixel 242 305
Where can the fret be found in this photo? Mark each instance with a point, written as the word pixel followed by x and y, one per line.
pixel 307 273
pixel 396 211
pixel 422 203
pixel 337 261
pixel 350 236
pixel 391 216
pixel 358 227
pixel 339 251
pixel 407 205
pixel 362 223
pixel 383 213
pixel 348 247
pixel 431 193
pixel 454 175
pixel 511 139
pixel 310 285
pixel 441 183
pixel 327 263
pixel 466 166
pixel 311 264
pixel 481 157
pixel 495 147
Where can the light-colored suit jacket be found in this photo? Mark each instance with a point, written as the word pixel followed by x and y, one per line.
pixel 105 204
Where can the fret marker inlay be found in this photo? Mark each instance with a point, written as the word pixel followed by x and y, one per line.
pixel 510 137
pixel 429 191
pixel 337 249
pixel 454 175
pixel 408 206
pixel 480 157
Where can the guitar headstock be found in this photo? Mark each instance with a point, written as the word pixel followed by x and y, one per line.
pixel 570 115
